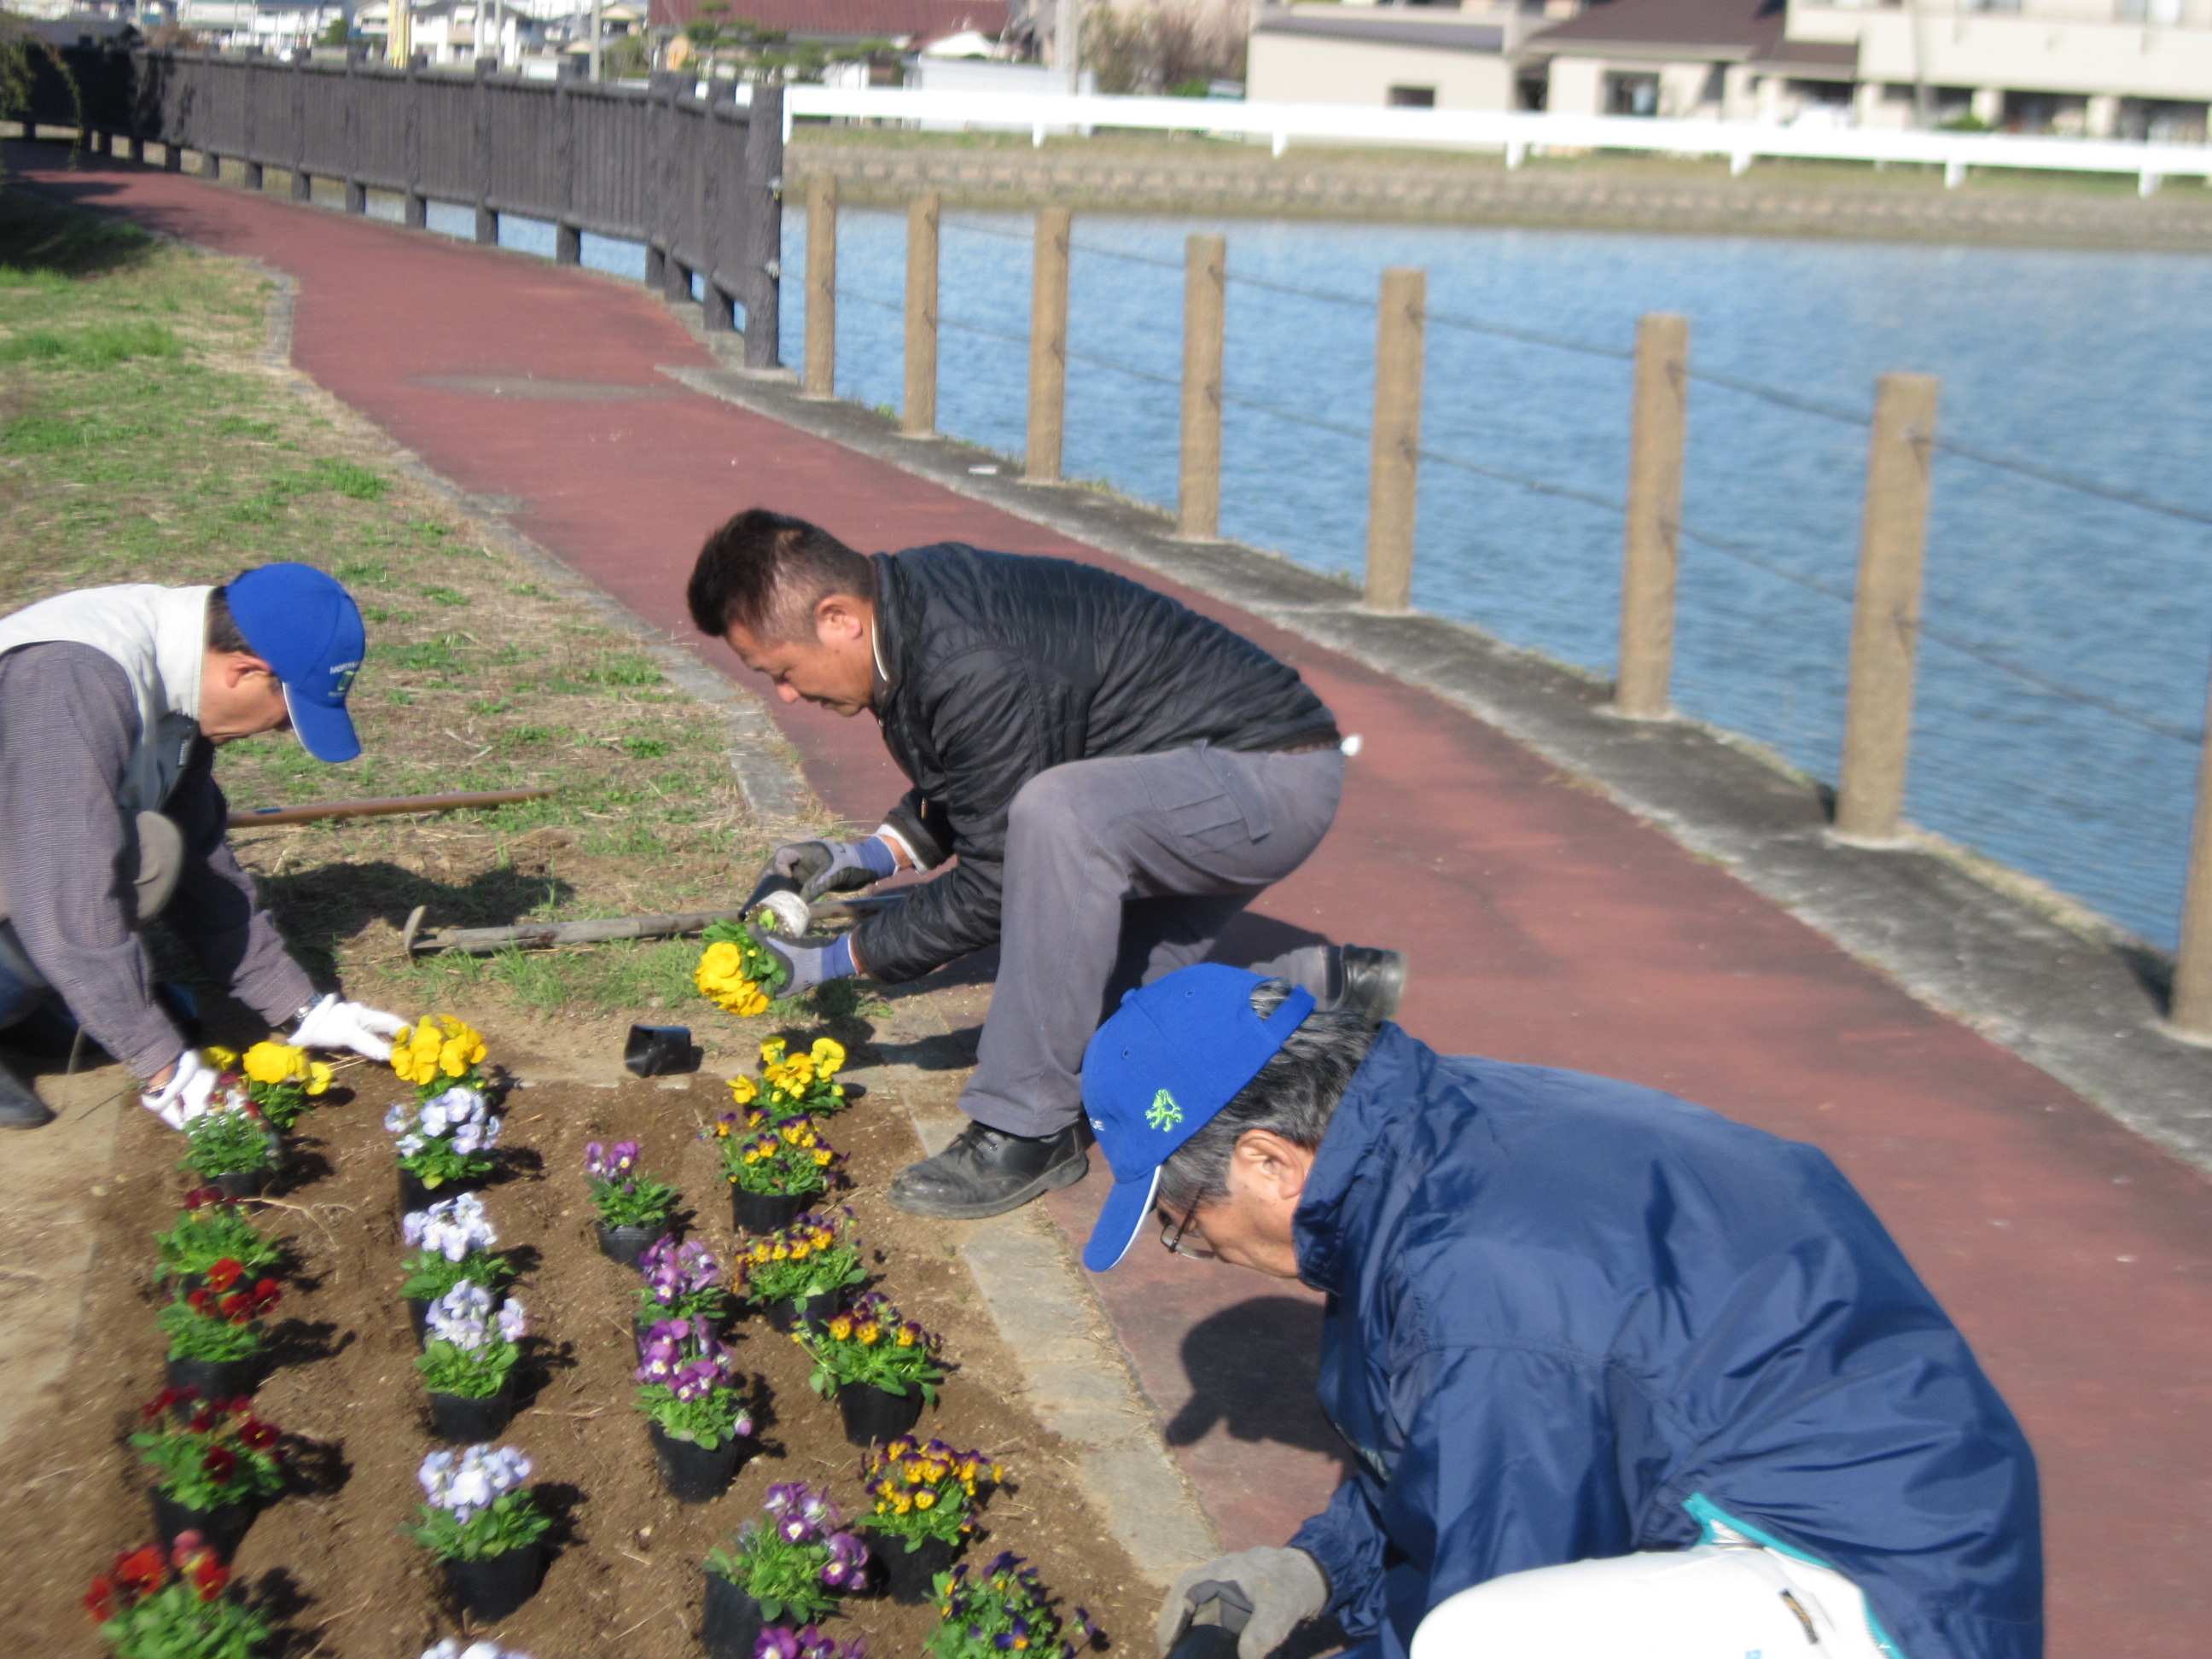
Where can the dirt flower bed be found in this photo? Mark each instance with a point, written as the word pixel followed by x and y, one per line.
pixel 142 437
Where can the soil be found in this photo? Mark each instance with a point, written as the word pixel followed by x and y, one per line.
pixel 626 1577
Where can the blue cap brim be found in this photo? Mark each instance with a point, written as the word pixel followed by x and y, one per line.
pixel 326 733
pixel 1128 1207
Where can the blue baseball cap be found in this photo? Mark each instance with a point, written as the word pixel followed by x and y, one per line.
pixel 307 627
pixel 1175 1053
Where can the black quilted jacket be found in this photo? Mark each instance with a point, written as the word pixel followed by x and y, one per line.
pixel 1001 666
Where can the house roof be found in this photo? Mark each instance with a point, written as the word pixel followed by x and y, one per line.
pixel 1391 26
pixel 850 20
pixel 1745 31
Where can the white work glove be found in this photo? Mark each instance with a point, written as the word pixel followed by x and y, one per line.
pixel 184 1096
pixel 1285 1588
pixel 332 1023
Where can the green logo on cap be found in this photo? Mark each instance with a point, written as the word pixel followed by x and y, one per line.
pixel 1164 1112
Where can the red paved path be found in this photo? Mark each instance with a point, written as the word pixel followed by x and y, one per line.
pixel 1544 925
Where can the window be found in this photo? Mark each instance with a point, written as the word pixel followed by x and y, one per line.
pixel 1412 98
pixel 1631 94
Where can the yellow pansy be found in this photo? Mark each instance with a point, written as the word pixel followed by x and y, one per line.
pixel 744 1091
pixel 222 1060
pixel 827 1055
pixel 318 1077
pixel 772 1052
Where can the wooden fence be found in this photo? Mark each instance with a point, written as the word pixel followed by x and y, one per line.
pixel 698 182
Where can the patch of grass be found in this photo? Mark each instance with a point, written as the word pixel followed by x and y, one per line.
pixel 621 669
pixel 445 596
pixel 93 346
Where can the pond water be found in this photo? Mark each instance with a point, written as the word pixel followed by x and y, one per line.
pixel 2092 364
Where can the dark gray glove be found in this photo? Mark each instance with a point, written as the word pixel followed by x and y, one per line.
pixel 833 866
pixel 1285 1588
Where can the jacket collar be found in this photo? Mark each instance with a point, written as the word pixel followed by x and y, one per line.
pixel 885 638
pixel 1351 1176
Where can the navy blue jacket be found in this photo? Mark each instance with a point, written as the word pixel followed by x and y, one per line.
pixel 1571 1318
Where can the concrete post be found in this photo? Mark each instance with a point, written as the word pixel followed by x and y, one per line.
pixel 2189 1013
pixel 1205 312
pixel 1394 452
pixel 414 206
pixel 303 187
pixel 1886 614
pixel 1048 346
pixel 250 163
pixel 918 414
pixel 1651 541
pixel 821 286
pixel 487 219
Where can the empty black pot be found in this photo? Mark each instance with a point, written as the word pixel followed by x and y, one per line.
pixel 872 1414
pixel 236 1184
pixel 495 1586
pixel 910 1575
pixel 414 1195
pixel 661 1050
pixel 216 1379
pixel 691 1473
pixel 461 1420
pixel 627 1244
pixel 731 1626
pixel 767 1212
pixel 812 1310
pixel 223 1527
pixel 418 1314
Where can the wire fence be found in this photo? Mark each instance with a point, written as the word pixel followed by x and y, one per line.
pixel 1747 555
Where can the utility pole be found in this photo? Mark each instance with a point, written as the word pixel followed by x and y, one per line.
pixel 598 42
pixel 399 33
pixel 1067 41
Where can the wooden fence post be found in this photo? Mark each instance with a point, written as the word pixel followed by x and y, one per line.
pixel 414 209
pixel 1651 540
pixel 487 225
pixel 714 136
pixel 1394 452
pixel 918 414
pixel 1048 347
pixel 2189 1013
pixel 303 185
pixel 762 226
pixel 821 286
pixel 1885 613
pixel 356 192
pixel 1198 487
pixel 251 161
pixel 567 237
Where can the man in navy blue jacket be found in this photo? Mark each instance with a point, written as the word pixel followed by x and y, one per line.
pixel 1623 1378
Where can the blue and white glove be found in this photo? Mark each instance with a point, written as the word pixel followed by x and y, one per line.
pixel 808 965
pixel 834 866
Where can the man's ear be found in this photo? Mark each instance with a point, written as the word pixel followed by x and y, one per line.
pixel 838 618
pixel 237 664
pixel 1274 1163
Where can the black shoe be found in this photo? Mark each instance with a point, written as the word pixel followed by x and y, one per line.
pixel 986 1172
pixel 18 1107
pixel 1366 981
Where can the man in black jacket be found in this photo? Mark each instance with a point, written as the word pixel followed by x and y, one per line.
pixel 1117 776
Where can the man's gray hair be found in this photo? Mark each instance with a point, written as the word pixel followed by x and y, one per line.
pixel 1294 1096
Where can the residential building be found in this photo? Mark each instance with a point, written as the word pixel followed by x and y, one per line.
pixel 1427 56
pixel 1725 60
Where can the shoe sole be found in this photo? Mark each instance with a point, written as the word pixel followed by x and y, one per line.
pixel 1392 990
pixel 1060 1175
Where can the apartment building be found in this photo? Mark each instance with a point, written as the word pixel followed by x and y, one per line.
pixel 2125 68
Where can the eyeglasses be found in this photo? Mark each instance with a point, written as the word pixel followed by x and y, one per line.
pixel 1171 1238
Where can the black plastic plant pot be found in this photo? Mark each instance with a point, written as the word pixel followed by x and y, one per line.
pixel 418 1315
pixel 461 1420
pixel 216 1379
pixel 910 1575
pixel 495 1586
pixel 872 1414
pixel 223 1527
pixel 236 1184
pixel 628 1244
pixel 810 1311
pixel 691 1473
pixel 661 1050
pixel 767 1212
pixel 731 1626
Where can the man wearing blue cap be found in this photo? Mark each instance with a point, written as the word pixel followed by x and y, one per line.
pixel 1621 1377
pixel 112 701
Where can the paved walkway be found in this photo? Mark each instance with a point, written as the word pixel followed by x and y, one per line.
pixel 1543 923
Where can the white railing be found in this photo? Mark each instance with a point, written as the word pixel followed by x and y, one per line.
pixel 1517 135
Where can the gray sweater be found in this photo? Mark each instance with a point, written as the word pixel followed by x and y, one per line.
pixel 69 860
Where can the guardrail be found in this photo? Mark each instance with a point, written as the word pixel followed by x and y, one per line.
pixel 1518 135
pixel 698 182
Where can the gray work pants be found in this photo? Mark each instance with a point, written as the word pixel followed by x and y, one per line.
pixel 160 860
pixel 1120 871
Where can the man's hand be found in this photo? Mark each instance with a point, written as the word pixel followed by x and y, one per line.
pixel 808 965
pixel 834 866
pixel 184 1096
pixel 1284 1587
pixel 332 1023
